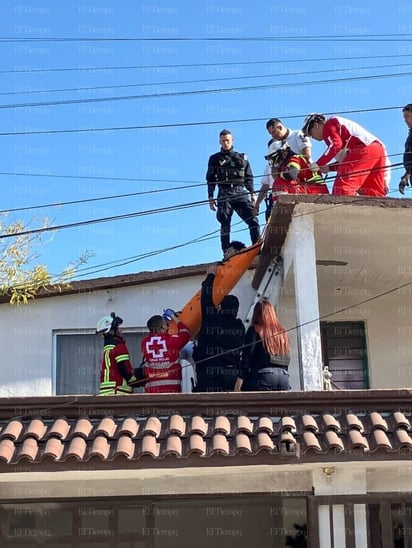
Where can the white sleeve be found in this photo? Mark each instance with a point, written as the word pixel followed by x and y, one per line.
pixel 267 178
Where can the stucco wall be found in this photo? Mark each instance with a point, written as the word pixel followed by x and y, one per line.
pixel 27 335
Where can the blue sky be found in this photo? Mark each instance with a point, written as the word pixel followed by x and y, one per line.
pixel 151 52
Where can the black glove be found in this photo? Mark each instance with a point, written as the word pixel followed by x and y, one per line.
pixel 404 182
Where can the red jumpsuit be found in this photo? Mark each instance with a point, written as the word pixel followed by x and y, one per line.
pixel 297 178
pixel 116 370
pixel 362 168
pixel 161 353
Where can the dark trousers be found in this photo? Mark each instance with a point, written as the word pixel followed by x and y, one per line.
pixel 269 378
pixel 238 201
pixel 216 379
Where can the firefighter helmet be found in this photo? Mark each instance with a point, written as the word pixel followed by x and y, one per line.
pixel 312 119
pixel 273 148
pixel 277 154
pixel 107 323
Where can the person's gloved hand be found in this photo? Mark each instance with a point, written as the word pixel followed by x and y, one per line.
pixel 404 182
pixel 169 314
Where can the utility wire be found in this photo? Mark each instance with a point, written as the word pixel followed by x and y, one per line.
pixel 188 124
pixel 204 91
pixel 101 198
pixel 205 237
pixel 131 194
pixel 200 65
pixel 105 219
pixel 197 81
pixel 390 37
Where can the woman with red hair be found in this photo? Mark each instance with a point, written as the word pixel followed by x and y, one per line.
pixel 266 354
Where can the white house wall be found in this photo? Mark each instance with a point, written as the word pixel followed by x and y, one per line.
pixel 26 337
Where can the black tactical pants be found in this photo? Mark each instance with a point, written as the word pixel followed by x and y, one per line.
pixel 228 201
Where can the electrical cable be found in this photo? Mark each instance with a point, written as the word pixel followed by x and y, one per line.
pixel 186 124
pixel 197 81
pixel 201 65
pixel 238 89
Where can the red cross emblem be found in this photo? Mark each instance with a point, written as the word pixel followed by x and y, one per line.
pixel 156 347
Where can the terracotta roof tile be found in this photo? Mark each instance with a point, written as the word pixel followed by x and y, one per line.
pixel 82 428
pixel 107 427
pixel 244 424
pixel 381 439
pixel 222 425
pixel 330 422
pixel 401 420
pixel 174 446
pixel 197 444
pixel 288 423
pixel 77 448
pixel 60 429
pixel 311 442
pixel 265 424
pixel 357 440
pixel 100 447
pixel 150 446
pixel 198 425
pixel 129 426
pixel 209 432
pixel 403 439
pixel 177 425
pixel 243 444
pixel 220 444
pixel 333 440
pixel 12 430
pixel 378 421
pixel 354 422
pixel 54 448
pixel 153 426
pixel 265 441
pixel 125 446
pixel 29 449
pixel 35 429
pixel 7 449
pixel 309 423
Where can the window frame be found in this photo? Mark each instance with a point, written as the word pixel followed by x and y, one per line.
pixel 80 331
pixel 324 325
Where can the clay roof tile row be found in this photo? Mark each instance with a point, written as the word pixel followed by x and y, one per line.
pixel 182 435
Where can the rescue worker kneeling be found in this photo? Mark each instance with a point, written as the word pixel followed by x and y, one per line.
pixel 162 369
pixel 117 375
pixel 293 176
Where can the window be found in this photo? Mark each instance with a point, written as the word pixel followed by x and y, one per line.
pixel 78 357
pixel 371 521
pixel 344 352
pixel 210 522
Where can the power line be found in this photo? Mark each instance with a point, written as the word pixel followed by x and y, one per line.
pixel 131 194
pixel 127 195
pixel 200 65
pixel 197 81
pixel 187 124
pixel 105 219
pixel 101 198
pixel 391 37
pixel 204 91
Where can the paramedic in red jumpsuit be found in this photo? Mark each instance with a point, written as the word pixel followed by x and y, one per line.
pixel 160 350
pixel 360 158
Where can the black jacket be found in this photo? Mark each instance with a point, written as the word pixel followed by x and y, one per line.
pixel 256 357
pixel 226 168
pixel 221 336
pixel 407 155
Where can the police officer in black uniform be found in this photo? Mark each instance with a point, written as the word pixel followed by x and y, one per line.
pixel 407 155
pixel 231 171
